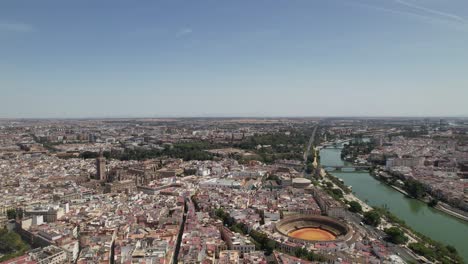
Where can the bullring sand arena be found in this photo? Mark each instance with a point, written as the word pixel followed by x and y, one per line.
pixel 313 228
pixel 314 234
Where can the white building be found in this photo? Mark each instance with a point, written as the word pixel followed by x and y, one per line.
pixel 49 255
pixel 220 183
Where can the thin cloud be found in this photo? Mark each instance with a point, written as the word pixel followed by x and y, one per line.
pixel 419 12
pixel 15 27
pixel 390 10
pixel 432 11
pixel 184 32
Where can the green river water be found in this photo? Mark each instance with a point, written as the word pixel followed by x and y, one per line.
pixel 422 218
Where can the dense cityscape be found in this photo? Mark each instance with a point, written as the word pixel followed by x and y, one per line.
pixel 233 132
pixel 229 190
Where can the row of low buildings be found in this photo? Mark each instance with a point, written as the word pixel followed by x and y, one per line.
pixel 439 164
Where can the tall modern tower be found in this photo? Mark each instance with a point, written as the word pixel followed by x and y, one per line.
pixel 101 167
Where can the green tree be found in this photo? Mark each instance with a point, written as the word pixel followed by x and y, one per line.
pixel 355 207
pixel 395 235
pixel 337 192
pixel 421 249
pixel 372 218
pixel 433 202
pixel 309 168
pixel 273 178
pixel 11 245
pixel 308 255
pixel 262 239
pixel 11 213
pixel 451 249
pixel 89 155
pixel 414 188
pixel 300 252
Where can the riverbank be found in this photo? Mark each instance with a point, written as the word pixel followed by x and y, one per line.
pixel 400 190
pixel 412 230
pixel 451 212
pixel 425 220
pixel 440 207
pixel 416 240
pixel 348 196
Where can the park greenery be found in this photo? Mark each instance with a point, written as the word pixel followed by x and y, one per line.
pixel 266 148
pixel 433 202
pixel 447 254
pixel 279 142
pixel 355 148
pixel 309 168
pixel 11 245
pixel 303 253
pixel 335 193
pixel 185 150
pixel 427 247
pixel 91 155
pixel 273 146
pixel 396 235
pixel 414 188
pixel 383 211
pixel 339 183
pixel 355 207
pixel 11 213
pixel 372 218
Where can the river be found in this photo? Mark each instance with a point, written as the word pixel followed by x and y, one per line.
pixel 422 218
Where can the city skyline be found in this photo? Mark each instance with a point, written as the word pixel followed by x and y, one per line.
pixel 284 190
pixel 336 58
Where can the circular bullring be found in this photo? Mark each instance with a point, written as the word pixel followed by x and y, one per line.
pixel 313 228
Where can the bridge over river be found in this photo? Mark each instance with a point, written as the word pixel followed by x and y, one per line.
pixel 347 168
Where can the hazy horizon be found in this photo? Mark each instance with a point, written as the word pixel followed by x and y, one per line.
pixel 334 58
pixel 231 117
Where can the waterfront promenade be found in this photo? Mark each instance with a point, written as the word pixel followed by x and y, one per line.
pixel 418 215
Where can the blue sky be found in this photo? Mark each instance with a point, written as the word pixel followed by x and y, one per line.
pixel 233 58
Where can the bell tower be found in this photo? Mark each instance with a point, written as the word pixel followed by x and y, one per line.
pixel 101 167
